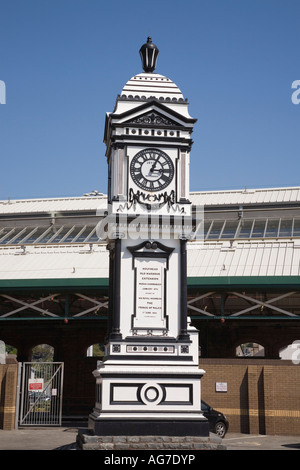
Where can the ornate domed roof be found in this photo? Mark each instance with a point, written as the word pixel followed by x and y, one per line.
pixel 146 85
pixel 149 86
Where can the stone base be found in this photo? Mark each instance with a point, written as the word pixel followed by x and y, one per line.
pixel 88 441
pixel 151 427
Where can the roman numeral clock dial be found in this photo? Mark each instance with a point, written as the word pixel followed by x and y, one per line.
pixel 152 170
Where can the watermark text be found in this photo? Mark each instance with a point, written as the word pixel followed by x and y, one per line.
pixel 296 94
pixel 151 226
pixel 2 92
pixel 296 352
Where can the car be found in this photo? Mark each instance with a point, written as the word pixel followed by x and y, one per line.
pixel 218 422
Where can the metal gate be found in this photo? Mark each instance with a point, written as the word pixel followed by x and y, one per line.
pixel 41 394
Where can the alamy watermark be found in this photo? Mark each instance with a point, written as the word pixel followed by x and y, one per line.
pixel 296 94
pixel 296 352
pixel 2 92
pixel 2 352
pixel 151 225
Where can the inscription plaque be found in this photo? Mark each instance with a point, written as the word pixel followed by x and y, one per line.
pixel 150 279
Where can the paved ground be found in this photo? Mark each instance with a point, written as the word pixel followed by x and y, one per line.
pixel 43 438
pixel 64 438
pixel 235 441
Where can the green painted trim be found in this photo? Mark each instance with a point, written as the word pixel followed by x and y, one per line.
pixel 214 282
pixel 53 283
pixel 244 281
pixel 57 319
pixel 242 317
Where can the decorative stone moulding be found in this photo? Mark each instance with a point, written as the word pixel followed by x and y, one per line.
pixel 151 98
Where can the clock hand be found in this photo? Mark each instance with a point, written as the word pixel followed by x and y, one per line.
pixel 153 167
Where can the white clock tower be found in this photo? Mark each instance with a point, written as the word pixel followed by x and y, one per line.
pixel 149 381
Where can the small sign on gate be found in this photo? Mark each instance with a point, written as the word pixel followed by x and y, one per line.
pixel 36 385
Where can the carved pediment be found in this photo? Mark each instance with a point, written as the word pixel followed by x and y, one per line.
pixel 152 118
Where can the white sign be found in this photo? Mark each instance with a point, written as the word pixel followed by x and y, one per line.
pixel 2 352
pixel 149 301
pixel 221 386
pixel 36 385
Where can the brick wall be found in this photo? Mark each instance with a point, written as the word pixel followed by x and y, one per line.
pixel 262 395
pixel 8 390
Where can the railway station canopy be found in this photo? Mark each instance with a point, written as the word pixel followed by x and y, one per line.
pixel 250 253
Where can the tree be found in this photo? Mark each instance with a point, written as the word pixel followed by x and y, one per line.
pixel 42 353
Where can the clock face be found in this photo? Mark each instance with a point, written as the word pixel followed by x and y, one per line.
pixel 152 169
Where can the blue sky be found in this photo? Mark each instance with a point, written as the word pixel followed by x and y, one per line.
pixel 65 61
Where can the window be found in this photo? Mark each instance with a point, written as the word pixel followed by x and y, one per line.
pixel 245 229
pixel 83 235
pixel 258 230
pixel 296 231
pixel 5 233
pixel 213 230
pixel 272 228
pixel 216 229
pixel 230 229
pixel 53 234
pixel 286 227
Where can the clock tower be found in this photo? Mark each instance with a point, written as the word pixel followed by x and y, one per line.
pixel 149 381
